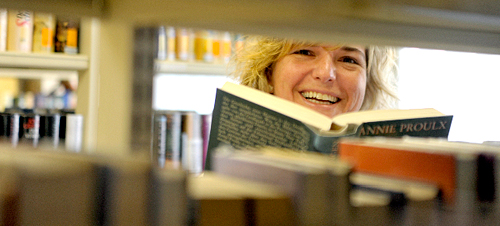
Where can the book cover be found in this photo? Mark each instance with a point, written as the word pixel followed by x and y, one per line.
pixel 464 172
pixel 246 117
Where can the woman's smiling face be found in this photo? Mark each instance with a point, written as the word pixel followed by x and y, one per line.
pixel 328 79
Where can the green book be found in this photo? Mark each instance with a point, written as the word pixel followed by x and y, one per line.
pixel 246 117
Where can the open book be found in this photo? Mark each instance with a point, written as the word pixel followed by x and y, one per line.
pixel 244 116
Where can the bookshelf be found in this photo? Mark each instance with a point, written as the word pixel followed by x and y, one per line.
pixel 107 89
pixel 106 85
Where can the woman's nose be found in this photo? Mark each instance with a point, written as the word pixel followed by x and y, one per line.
pixel 325 69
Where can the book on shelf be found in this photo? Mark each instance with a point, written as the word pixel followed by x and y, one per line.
pixel 244 116
pixel 166 141
pixel 66 188
pixel 327 186
pixel 126 184
pixel 206 122
pixel 192 142
pixel 180 139
pixel 392 201
pixel 218 199
pixel 403 190
pixel 318 185
pixel 49 190
pixel 464 172
pixel 168 197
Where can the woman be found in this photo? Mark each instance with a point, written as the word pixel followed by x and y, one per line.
pixel 331 79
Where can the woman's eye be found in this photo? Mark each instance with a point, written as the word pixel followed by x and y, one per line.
pixel 304 52
pixel 349 60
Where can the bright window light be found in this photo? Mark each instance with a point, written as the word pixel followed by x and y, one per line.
pixel 186 92
pixel 465 85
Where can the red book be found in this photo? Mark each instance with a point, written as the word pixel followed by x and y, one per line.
pixel 417 164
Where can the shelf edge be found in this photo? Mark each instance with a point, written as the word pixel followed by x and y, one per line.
pixel 43 61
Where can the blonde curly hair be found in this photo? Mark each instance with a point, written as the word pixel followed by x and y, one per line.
pixel 253 64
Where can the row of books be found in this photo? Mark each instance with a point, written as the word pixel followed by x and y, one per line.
pixel 259 186
pixel 51 130
pixel 180 138
pixel 28 31
pixel 201 45
pixel 379 181
pixel 66 100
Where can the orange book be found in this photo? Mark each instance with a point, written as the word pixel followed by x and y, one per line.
pixel 431 167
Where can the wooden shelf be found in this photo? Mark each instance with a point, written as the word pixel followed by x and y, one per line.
pixel 56 61
pixel 66 8
pixel 461 25
pixel 39 74
pixel 194 68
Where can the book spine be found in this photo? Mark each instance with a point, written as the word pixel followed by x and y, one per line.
pixel 162 43
pixel 67 35
pixel 3 30
pixel 170 42
pixel 192 144
pixel 465 193
pixel 486 177
pixel 166 138
pixel 74 132
pixel 20 32
pixel 30 126
pixel 5 129
pixel 174 130
pixel 43 32
pixel 206 123
pixel 338 196
pixel 158 146
pixel 168 198
pixel 15 131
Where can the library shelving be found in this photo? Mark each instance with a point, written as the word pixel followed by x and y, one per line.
pixel 108 39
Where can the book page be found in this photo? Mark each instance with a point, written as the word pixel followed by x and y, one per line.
pixel 282 106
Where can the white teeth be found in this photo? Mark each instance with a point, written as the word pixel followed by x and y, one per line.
pixel 319 98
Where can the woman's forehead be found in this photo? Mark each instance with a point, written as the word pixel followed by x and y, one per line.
pixel 333 47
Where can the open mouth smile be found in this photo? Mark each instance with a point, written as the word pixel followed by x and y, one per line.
pixel 319 98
